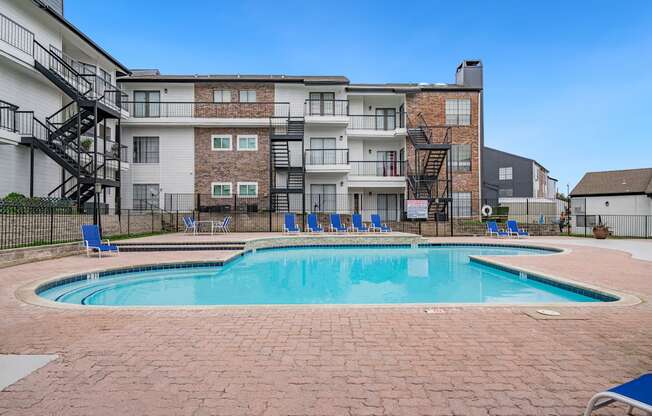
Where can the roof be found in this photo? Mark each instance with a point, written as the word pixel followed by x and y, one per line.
pixel 408 87
pixel 518 156
pixel 155 76
pixel 79 33
pixel 615 182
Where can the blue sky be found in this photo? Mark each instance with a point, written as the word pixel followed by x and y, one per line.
pixel 566 83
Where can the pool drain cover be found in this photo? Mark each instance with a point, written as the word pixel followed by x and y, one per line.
pixel 548 312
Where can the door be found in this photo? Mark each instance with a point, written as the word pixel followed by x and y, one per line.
pixel 385 119
pixel 387 205
pixel 322 151
pixel 322 103
pixel 357 203
pixel 323 198
pixel 386 163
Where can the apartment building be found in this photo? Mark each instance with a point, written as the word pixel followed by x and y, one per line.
pixel 313 143
pixel 77 124
pixel 507 175
pixel 59 107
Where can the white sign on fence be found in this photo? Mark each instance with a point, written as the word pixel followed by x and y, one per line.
pixel 417 209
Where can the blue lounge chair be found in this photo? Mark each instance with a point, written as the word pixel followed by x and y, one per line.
pixel 93 242
pixel 336 224
pixel 313 225
pixel 290 225
pixel 190 224
pixel 492 229
pixel 512 229
pixel 636 393
pixel 357 224
pixel 223 225
pixel 376 224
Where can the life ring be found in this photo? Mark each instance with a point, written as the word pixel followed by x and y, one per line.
pixel 486 210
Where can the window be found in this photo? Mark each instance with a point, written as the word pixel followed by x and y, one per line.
pixel 87 69
pixel 248 142
pixel 385 119
pixel 147 104
pixel 146 196
pixel 505 174
pixel 248 96
pixel 322 103
pixel 146 150
pixel 221 142
pixel 248 189
pixel 461 204
pixel 586 220
pixel 458 112
pixel 323 198
pixel 461 157
pixel 505 192
pixel 221 189
pixel 105 75
pixel 222 96
pixel 322 151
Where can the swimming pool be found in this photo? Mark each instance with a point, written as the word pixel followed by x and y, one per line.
pixel 324 275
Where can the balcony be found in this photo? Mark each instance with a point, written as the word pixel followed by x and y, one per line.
pixel 152 112
pixel 326 111
pixel 8 130
pixel 327 160
pixel 390 173
pixel 385 125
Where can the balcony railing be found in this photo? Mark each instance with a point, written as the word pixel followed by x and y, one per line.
pixel 327 157
pixel 326 107
pixel 8 116
pixel 16 35
pixel 160 109
pixel 378 168
pixel 376 122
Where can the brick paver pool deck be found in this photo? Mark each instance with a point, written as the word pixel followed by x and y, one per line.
pixel 469 360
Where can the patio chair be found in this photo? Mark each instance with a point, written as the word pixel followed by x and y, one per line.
pixel 357 224
pixel 189 224
pixel 313 225
pixel 336 224
pixel 512 229
pixel 636 393
pixel 290 225
pixel 493 230
pixel 377 225
pixel 223 225
pixel 93 242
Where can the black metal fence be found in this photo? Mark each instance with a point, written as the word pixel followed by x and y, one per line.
pixel 25 225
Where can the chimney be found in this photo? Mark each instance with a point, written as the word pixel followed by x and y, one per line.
pixel 469 74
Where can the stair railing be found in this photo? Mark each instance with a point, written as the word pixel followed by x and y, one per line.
pixel 63 115
pixel 59 66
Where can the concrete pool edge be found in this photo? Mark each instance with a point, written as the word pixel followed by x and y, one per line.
pixel 29 293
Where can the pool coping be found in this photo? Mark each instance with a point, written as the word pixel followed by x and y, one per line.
pixel 28 293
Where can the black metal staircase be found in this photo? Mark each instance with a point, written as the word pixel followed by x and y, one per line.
pixel 286 178
pixel 430 157
pixel 93 100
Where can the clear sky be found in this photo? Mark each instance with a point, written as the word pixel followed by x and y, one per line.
pixel 567 83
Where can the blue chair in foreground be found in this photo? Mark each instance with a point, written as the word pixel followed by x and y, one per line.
pixel 290 225
pixel 93 242
pixel 636 393
pixel 376 224
pixel 493 230
pixel 512 229
pixel 313 224
pixel 336 224
pixel 357 224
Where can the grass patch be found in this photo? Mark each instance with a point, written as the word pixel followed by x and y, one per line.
pixel 137 235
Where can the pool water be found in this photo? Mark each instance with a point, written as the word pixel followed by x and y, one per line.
pixel 341 275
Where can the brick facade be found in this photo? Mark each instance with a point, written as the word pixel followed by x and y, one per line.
pixel 233 165
pixel 432 106
pixel 263 107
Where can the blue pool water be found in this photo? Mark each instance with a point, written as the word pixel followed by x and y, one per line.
pixel 351 275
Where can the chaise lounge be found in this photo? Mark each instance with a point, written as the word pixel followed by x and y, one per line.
pixel 93 242
pixel 493 230
pixel 636 393
pixel 377 225
pixel 513 230
pixel 290 225
pixel 313 225
pixel 336 224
